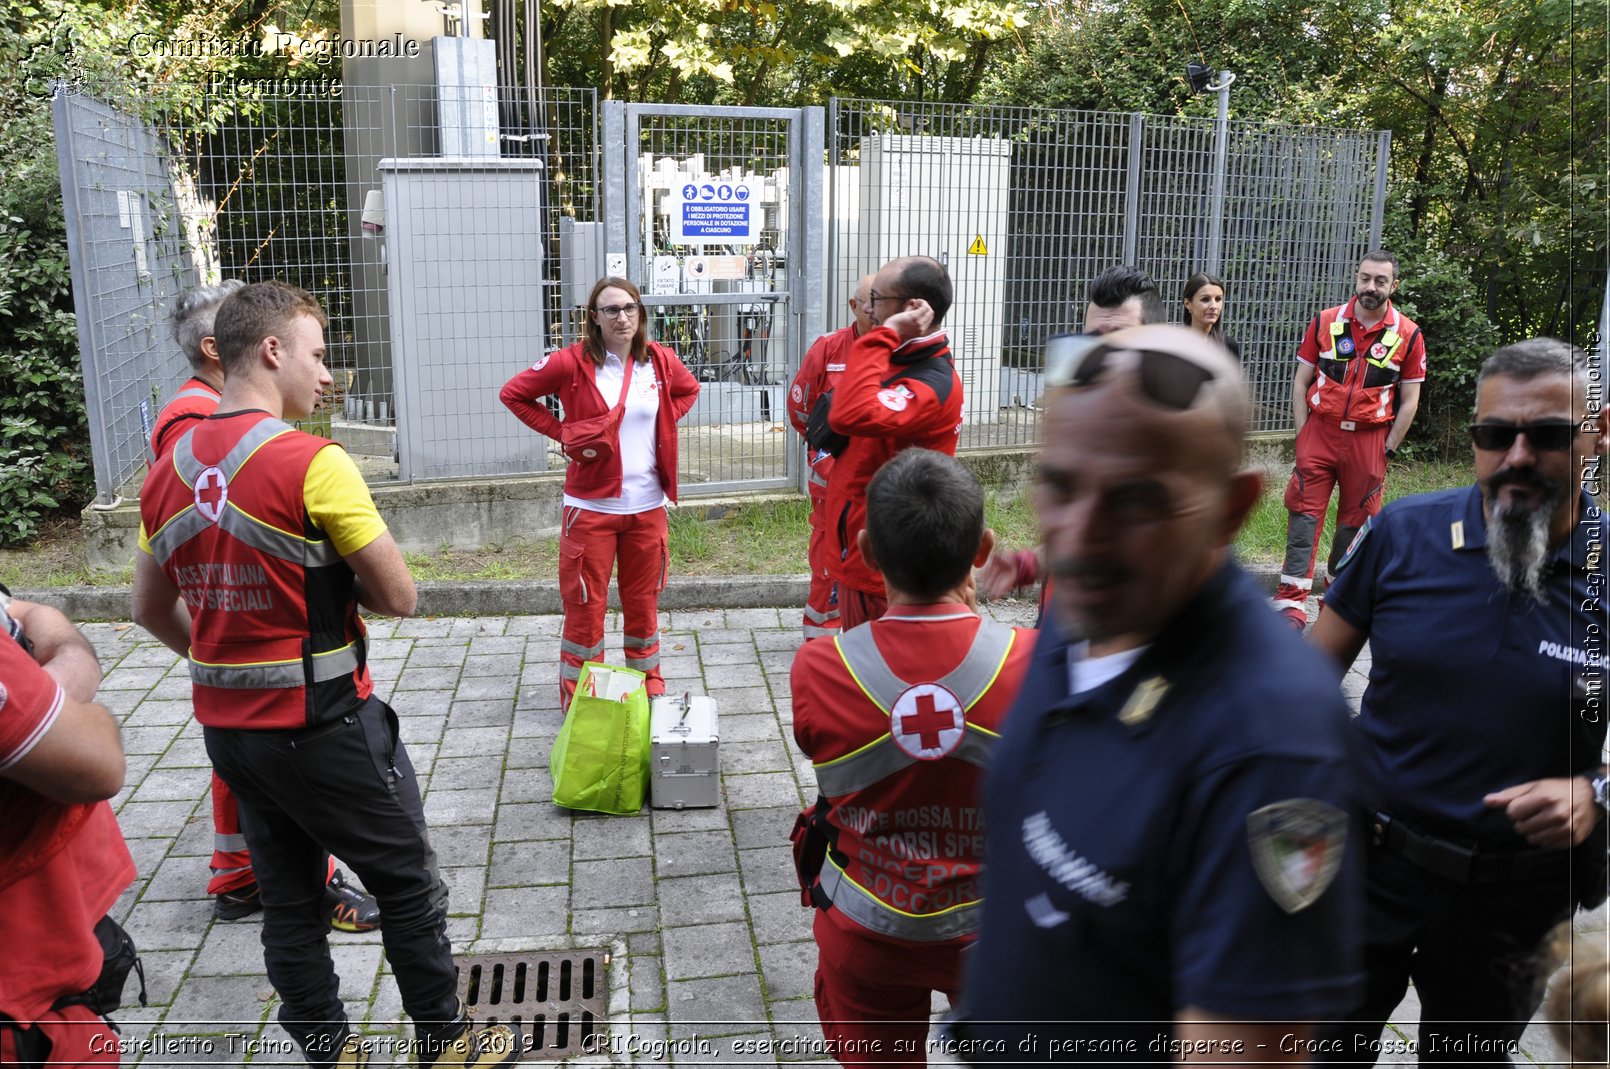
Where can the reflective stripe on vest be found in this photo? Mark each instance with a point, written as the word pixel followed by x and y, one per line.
pixel 260 536
pixel 196 392
pixel 867 910
pixel 814 479
pixel 881 757
pixel 1390 338
pixel 276 675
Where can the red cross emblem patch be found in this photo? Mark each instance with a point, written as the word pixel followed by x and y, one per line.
pixel 893 400
pixel 212 491
pixel 927 721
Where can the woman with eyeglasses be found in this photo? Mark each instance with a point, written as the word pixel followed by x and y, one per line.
pixel 622 397
pixel 1204 309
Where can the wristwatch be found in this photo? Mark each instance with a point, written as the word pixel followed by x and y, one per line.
pixel 1391 454
pixel 1600 783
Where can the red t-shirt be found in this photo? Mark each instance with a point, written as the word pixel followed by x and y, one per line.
pixel 61 866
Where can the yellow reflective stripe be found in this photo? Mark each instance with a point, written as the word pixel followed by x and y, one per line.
pixel 276 541
pixel 874 914
pixel 275 675
pixel 185 525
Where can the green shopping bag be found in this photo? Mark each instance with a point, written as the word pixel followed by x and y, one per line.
pixel 600 761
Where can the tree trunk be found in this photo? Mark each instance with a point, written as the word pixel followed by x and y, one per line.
pixel 1428 146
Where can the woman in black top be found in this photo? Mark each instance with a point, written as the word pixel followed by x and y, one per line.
pixel 1204 308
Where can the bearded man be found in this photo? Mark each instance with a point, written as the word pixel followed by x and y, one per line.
pixel 1483 724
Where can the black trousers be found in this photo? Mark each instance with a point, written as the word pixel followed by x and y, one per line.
pixel 1473 952
pixel 348 788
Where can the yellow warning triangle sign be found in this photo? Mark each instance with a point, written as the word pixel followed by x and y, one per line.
pixel 977 248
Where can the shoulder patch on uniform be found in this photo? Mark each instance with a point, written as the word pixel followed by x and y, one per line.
pixel 1352 547
pixel 893 400
pixel 1297 849
pixel 798 394
pixel 540 364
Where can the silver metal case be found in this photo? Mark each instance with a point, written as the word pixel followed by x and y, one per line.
pixel 684 752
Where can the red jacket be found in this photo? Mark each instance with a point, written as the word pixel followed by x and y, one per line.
pixel 571 375
pixel 195 400
pixel 818 373
pixel 1358 369
pixel 887 399
pixel 62 866
pixel 900 763
pixel 275 636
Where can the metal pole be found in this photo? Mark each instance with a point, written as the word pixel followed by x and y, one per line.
pixel 1221 156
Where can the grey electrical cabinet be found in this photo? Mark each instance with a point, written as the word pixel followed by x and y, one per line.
pixel 465 264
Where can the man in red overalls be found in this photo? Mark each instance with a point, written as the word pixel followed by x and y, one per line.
pixel 818 374
pixel 1355 393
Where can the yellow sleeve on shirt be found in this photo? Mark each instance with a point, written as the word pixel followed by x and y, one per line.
pixel 338 501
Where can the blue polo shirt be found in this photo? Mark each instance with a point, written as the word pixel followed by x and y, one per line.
pixel 1471 686
pixel 1122 880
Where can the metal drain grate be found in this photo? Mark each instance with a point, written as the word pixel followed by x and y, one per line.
pixel 554 1000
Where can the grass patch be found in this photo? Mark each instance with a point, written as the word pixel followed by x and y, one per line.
pixel 759 538
pixel 1263 536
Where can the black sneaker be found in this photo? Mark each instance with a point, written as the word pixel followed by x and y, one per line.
pixel 233 905
pixel 351 910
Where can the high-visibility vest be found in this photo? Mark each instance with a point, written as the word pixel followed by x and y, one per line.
pixel 903 812
pixel 1359 386
pixel 276 640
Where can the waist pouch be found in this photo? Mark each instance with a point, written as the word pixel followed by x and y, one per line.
pixel 818 435
pixel 119 957
pixel 810 842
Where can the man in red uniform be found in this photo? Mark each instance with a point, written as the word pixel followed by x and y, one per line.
pixel 899 717
pixel 233 887
pixel 1355 393
pixel 818 374
pixel 899 389
pixel 197 399
pixel 62 858
pixel 257 545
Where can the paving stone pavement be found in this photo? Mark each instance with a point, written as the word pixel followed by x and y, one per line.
pixel 710 951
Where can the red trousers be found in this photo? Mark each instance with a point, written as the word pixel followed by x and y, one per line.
pixel 856 607
pixel 822 603
pixel 231 859
pixel 872 995
pixel 591 544
pixel 1328 457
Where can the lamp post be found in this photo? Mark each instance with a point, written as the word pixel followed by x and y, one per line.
pixel 1199 75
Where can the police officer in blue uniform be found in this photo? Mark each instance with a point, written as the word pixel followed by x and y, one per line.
pixel 1483 723
pixel 1173 860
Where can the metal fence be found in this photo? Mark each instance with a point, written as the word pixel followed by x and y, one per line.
pixel 237 184
pixel 492 233
pixel 1026 205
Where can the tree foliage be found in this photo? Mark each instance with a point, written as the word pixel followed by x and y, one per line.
pixel 45 461
pixel 1498 119
pixel 777 52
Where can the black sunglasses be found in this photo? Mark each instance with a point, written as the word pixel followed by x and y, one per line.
pixel 1166 379
pixel 1549 435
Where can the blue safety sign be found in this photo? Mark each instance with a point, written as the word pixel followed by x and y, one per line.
pixel 717 212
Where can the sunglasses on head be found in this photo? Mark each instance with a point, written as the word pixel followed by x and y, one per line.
pixel 1549 435
pixel 1165 379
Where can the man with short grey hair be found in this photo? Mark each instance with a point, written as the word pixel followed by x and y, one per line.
pixel 1483 725
pixel 192 320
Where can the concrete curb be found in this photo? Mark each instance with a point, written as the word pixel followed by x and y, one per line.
pixel 515 597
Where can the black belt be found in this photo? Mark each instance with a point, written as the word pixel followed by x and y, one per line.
pixel 1462 863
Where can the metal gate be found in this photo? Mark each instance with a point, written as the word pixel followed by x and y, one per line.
pixel 716 215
